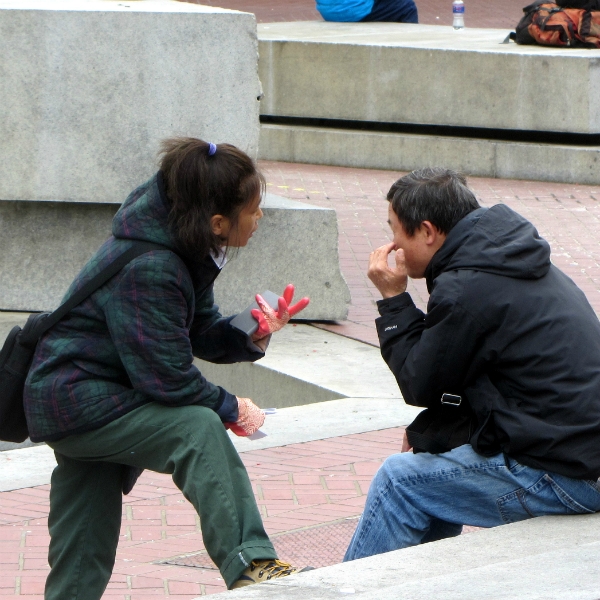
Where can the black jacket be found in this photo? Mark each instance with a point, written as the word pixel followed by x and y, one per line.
pixel 510 333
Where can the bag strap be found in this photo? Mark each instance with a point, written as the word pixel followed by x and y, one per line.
pixel 50 319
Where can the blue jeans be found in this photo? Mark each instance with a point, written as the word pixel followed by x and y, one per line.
pixel 418 498
pixel 395 11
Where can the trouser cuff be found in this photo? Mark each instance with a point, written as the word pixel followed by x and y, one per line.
pixel 239 559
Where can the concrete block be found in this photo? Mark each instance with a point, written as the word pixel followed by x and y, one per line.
pixel 420 74
pixel 43 246
pixel 295 243
pixel 405 152
pixel 88 88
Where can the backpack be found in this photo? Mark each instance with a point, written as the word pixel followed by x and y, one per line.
pixel 572 23
pixel 18 349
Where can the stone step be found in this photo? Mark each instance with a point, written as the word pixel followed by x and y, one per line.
pixel 82 122
pixel 327 385
pixel 547 558
pixel 405 152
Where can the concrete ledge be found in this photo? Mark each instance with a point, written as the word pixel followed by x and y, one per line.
pixel 29 467
pixel 548 558
pixel 405 152
pixel 43 245
pixel 425 74
pixel 89 88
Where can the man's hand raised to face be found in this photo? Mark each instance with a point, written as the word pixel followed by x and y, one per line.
pixel 390 281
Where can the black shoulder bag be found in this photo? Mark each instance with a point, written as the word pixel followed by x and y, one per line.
pixel 18 349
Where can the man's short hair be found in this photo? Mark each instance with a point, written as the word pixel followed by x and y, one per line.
pixel 440 196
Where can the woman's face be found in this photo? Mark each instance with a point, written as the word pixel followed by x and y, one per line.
pixel 247 223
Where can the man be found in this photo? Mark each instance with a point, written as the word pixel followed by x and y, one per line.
pixel 508 336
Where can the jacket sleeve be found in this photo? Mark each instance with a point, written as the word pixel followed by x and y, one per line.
pixel 215 340
pixel 429 354
pixel 147 316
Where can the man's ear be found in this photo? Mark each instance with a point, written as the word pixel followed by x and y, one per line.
pixel 220 225
pixel 432 235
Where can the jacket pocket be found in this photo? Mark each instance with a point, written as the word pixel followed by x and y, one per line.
pixel 544 497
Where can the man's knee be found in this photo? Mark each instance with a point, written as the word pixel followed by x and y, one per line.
pixel 393 469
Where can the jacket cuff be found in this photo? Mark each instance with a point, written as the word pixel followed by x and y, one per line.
pixel 227 407
pixel 394 304
pixel 254 348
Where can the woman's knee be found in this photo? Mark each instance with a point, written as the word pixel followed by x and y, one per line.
pixel 193 418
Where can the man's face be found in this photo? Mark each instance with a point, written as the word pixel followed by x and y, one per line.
pixel 418 248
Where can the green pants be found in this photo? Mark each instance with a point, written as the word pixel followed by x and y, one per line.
pixel 188 442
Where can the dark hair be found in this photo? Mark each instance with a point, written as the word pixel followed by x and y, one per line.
pixel 199 186
pixel 440 196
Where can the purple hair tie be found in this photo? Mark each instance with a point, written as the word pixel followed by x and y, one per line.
pixel 212 149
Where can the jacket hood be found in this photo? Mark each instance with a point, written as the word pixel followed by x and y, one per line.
pixel 144 215
pixel 494 240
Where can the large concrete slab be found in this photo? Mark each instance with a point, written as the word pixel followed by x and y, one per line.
pixel 405 152
pixel 43 245
pixel 426 74
pixel 89 88
pixel 548 558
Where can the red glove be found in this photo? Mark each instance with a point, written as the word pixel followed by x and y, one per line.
pixel 250 418
pixel 270 321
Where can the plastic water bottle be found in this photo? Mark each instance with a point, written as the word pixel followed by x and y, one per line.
pixel 458 14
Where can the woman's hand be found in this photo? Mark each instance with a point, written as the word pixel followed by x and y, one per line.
pixel 270 320
pixel 250 418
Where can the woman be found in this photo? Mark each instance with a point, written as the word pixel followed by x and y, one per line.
pixel 112 388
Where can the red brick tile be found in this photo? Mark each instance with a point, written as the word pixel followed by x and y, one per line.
pixel 184 587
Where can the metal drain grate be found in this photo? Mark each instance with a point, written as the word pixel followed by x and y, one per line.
pixel 318 546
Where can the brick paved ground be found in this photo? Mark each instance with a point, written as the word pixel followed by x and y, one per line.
pixel 502 14
pixel 297 487
pixel 566 215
